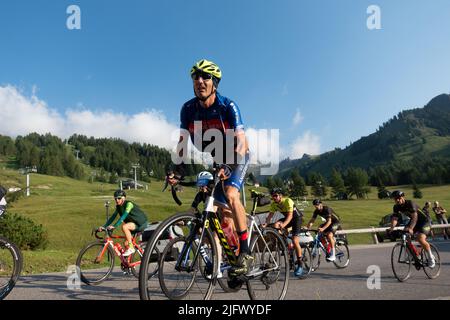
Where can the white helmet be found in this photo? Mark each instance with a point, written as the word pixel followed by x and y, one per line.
pixel 204 178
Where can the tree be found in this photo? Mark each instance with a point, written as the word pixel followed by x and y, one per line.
pixel 417 193
pixel 357 182
pixel 336 183
pixel 299 185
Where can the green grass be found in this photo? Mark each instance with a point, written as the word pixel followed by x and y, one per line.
pixel 69 209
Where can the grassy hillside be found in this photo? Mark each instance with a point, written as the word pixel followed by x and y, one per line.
pixel 70 208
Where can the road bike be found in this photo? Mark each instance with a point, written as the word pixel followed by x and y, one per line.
pixel 193 275
pixel 320 244
pixel 96 261
pixel 11 263
pixel 405 254
pixel 306 251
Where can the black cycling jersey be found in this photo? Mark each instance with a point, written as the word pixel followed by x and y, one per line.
pixel 409 208
pixel 326 213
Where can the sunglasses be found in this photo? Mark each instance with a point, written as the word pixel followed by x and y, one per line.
pixel 205 76
pixel 118 198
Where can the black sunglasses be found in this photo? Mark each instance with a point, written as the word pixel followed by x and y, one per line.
pixel 203 75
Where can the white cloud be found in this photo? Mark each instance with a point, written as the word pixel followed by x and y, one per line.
pixel 21 115
pixel 307 143
pixel 298 118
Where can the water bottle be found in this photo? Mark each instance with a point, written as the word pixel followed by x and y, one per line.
pixel 232 237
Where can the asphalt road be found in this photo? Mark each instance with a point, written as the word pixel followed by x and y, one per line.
pixel 326 283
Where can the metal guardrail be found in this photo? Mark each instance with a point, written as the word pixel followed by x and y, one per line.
pixel 374 230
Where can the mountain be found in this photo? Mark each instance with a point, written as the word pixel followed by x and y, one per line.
pixel 413 136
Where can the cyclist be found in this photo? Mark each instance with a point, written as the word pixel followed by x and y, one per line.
pixel 210 110
pixel 133 218
pixel 419 223
pixel 292 218
pixel 329 227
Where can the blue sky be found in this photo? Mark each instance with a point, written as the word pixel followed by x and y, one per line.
pixel 313 61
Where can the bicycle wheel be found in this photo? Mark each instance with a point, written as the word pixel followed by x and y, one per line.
pixel 307 262
pixel 401 261
pixel 434 272
pixel 95 263
pixel 136 257
pixel 11 262
pixel 315 257
pixel 224 280
pixel 342 255
pixel 268 279
pixel 164 239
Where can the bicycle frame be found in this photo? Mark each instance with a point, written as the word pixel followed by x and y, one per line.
pixel 411 248
pixel 125 261
pixel 209 218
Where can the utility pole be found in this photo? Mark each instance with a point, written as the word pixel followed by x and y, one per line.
pixel 77 152
pixel 27 171
pixel 135 166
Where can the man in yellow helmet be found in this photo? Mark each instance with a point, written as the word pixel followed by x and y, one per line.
pixel 204 116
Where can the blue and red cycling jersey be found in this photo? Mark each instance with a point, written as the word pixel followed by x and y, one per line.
pixel 223 115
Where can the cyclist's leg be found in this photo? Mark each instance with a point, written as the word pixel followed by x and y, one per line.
pixel 127 228
pixel 330 236
pixel 421 232
pixel 296 224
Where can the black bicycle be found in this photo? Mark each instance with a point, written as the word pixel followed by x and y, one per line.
pixel 405 254
pixel 11 262
pixel 193 274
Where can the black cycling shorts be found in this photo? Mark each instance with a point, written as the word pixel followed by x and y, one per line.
pixel 424 228
pixel 296 223
pixel 332 228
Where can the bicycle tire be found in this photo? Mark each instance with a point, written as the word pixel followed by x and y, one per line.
pixel 174 292
pixel 265 255
pixel 87 258
pixel 307 265
pixel 11 263
pixel 135 257
pixel 315 257
pixel 432 273
pixel 400 256
pixel 150 288
pixel 342 254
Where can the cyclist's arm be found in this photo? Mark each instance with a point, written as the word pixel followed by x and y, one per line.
pixel 287 220
pixel 394 221
pixel 310 223
pixel 327 224
pixel 413 220
pixel 111 219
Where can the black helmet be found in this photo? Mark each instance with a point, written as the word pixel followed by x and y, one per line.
pixel 119 193
pixel 316 202
pixel 276 190
pixel 397 194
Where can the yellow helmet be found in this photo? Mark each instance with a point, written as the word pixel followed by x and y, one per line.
pixel 207 67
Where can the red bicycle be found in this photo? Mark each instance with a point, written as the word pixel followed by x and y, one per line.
pixel 96 261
